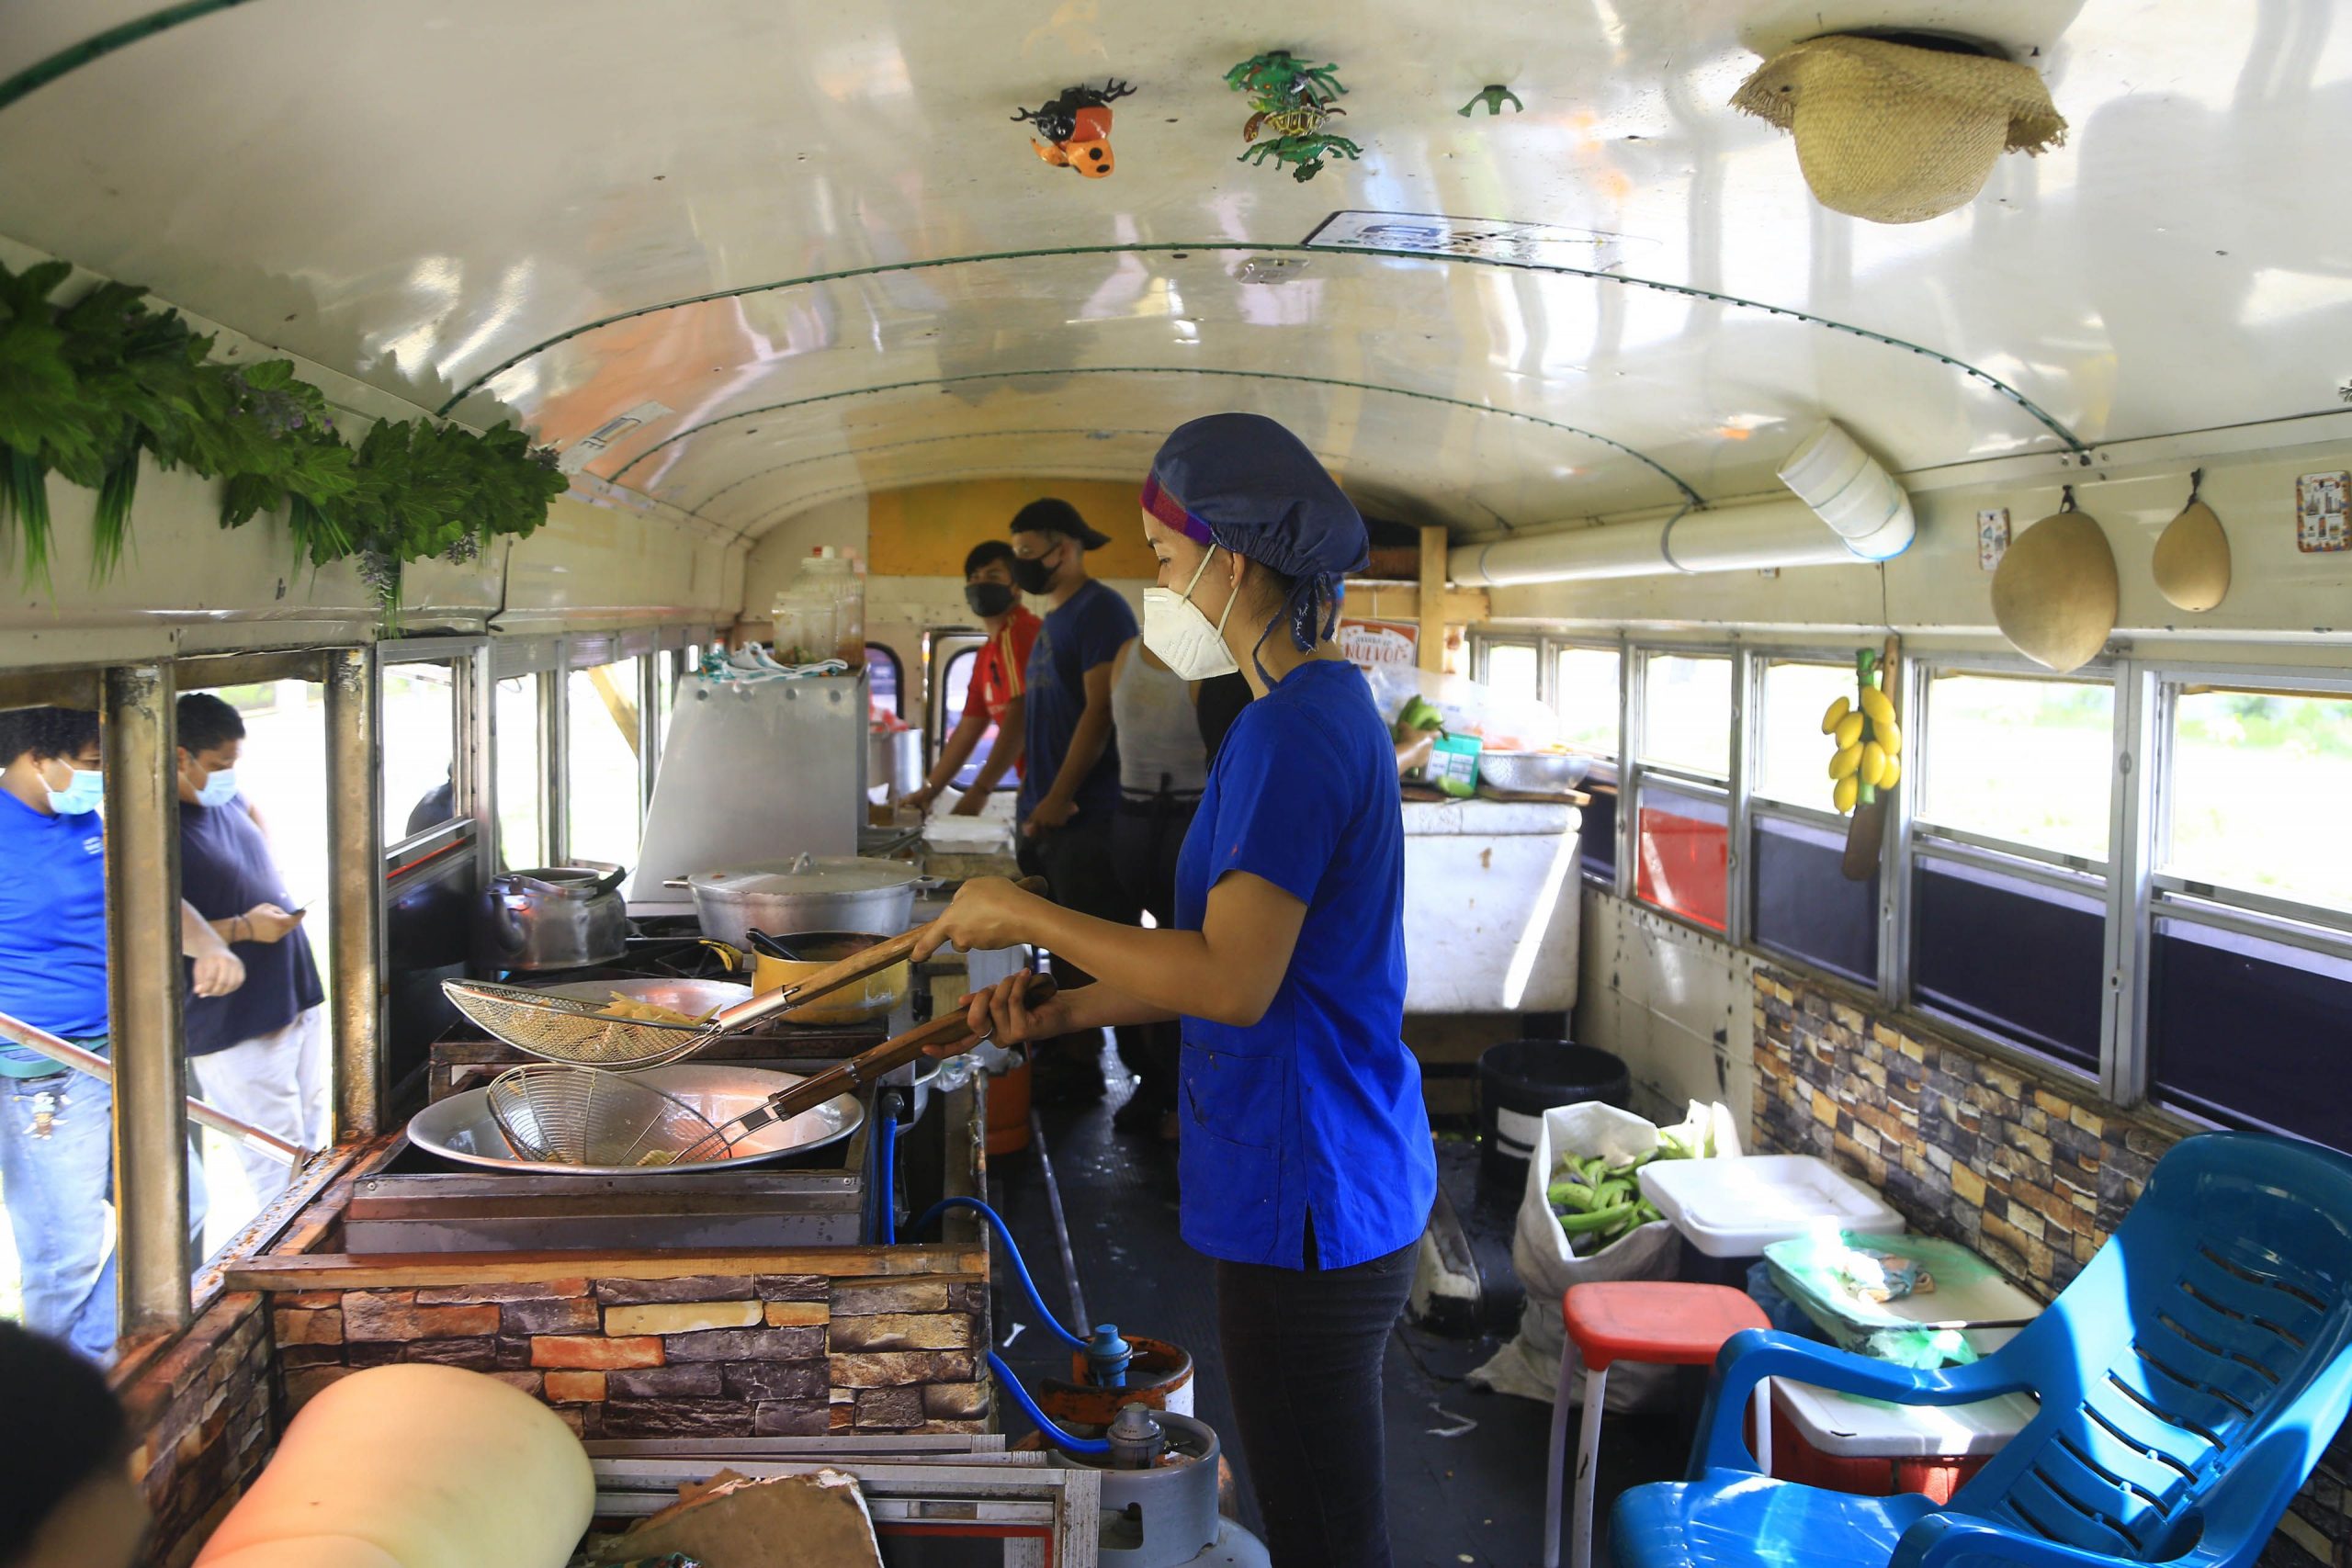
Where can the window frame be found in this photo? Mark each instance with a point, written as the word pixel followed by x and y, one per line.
pixel 1633 774
pixel 468 658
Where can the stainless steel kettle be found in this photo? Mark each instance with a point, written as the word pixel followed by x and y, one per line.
pixel 561 917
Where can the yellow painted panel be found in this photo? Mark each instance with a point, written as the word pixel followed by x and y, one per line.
pixel 925 531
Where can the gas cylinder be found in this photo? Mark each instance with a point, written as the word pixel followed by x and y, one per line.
pixel 1159 1496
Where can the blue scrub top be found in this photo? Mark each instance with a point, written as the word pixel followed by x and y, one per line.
pixel 1313 1113
pixel 53 928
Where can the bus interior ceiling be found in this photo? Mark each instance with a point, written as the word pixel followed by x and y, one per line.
pixel 770 276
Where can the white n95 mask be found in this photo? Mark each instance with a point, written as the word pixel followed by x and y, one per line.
pixel 1175 629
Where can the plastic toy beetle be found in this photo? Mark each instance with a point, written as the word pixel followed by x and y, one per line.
pixel 1076 128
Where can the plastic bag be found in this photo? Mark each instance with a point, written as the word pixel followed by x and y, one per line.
pixel 1529 1365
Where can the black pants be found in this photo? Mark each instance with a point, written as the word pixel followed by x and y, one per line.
pixel 1075 861
pixel 1146 840
pixel 1302 1349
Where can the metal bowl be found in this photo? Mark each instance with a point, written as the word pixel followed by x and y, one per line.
pixel 1533 772
pixel 461 1128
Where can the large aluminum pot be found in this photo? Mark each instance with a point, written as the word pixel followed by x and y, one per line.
pixel 814 893
pixel 561 917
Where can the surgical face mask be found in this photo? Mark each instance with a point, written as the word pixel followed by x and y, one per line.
pixel 86 792
pixel 988 600
pixel 1176 629
pixel 220 789
pixel 1033 576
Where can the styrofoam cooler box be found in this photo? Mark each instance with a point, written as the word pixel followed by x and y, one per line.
pixel 1735 1208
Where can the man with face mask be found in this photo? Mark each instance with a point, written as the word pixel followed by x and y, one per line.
pixel 261 1054
pixel 1069 791
pixel 57 1125
pixel 997 694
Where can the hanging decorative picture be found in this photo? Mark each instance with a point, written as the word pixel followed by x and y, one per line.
pixel 2319 506
pixel 1291 101
pixel 1074 130
pixel 1992 536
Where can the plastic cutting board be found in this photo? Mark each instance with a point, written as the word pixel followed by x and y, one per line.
pixel 1735 1208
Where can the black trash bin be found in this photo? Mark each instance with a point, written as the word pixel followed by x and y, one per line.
pixel 1520 1079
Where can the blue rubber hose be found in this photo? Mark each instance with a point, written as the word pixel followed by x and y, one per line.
pixel 1020 1269
pixel 1045 1424
pixel 884 1158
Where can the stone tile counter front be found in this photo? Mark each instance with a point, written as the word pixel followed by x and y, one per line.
pixel 631 1350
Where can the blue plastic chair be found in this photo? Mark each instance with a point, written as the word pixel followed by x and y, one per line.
pixel 2189 1379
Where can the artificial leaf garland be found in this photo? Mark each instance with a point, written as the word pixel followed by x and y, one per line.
pixel 86 387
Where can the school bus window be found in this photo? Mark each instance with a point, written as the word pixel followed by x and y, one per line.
pixel 1510 668
pixel 887 679
pixel 420 747
pixel 1584 690
pixel 955 686
pixel 521 767
pixel 605 811
pixel 1791 754
pixel 2234 751
pixel 2024 760
pixel 1686 713
pixel 254 852
pixel 1683 845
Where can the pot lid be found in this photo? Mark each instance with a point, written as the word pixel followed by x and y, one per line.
pixel 809 874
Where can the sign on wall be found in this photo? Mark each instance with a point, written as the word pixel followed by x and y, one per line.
pixel 1377 644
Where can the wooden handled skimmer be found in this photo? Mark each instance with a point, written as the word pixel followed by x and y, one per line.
pixel 584 1034
pixel 949 1036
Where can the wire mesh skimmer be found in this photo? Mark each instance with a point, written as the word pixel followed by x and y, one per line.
pixel 560 1114
pixel 572 1030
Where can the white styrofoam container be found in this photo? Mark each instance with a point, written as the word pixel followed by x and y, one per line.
pixel 1735 1208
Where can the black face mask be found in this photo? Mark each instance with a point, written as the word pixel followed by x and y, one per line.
pixel 1034 576
pixel 987 599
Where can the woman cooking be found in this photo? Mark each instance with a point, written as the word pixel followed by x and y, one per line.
pixel 1307 1169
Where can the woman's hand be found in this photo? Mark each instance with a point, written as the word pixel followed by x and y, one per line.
pixel 268 923
pixel 988 912
pixel 970 804
pixel 919 799
pixel 1001 1013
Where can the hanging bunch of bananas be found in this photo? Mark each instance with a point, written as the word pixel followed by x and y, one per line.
pixel 1870 743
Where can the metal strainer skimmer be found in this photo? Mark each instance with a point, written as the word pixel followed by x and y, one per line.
pixel 565 1115
pixel 571 1030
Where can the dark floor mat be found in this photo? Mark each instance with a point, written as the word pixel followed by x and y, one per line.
pixel 1465 1468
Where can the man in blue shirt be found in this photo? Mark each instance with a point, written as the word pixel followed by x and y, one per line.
pixel 1070 789
pixel 56 1125
pixel 261 1052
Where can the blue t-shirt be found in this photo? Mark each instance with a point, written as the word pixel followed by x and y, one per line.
pixel 1314 1110
pixel 1083 634
pixel 53 928
pixel 225 869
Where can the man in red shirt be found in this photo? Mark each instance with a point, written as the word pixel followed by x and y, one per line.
pixel 1000 675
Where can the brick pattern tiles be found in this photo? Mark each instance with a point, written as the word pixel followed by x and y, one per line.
pixel 200 1420
pixel 714 1355
pixel 2031 1172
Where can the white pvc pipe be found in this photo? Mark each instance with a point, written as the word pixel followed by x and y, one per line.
pixel 1732 539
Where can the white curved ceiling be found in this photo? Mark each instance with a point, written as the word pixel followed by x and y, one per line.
pixel 811 231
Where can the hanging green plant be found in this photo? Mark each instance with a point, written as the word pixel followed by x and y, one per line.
pixel 86 389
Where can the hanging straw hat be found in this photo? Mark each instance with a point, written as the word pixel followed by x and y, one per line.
pixel 1895 133
pixel 2056 593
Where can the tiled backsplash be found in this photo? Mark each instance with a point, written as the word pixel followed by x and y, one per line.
pixel 2027 1169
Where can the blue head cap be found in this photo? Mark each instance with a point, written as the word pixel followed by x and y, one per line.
pixel 1242 481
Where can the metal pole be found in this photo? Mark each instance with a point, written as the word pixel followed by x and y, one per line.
pixel 143 984
pixel 355 894
pixel 555 767
pixel 98 1067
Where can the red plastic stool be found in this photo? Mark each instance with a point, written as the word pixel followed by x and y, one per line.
pixel 1656 1321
